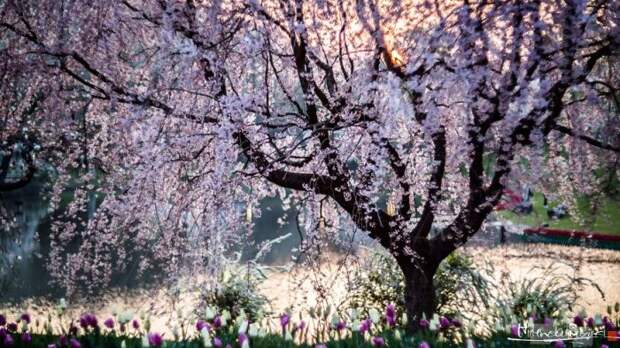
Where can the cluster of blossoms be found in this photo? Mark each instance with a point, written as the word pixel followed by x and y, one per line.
pixel 87 323
pixel 374 327
pixel 8 330
pixel 214 329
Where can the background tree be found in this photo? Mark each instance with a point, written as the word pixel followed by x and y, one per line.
pixel 411 117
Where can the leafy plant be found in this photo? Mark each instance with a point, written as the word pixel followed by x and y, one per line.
pixel 237 292
pixel 548 296
pixel 460 286
pixel 380 283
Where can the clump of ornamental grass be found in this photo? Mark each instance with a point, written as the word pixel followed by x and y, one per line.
pixel 549 296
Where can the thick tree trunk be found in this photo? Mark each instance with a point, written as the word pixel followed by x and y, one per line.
pixel 420 297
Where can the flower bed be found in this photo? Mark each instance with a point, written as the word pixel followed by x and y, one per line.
pixel 218 329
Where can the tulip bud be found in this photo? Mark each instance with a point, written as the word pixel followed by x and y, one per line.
pixel 209 313
pixel 145 342
pixel 253 330
pixel 243 327
pixel 374 315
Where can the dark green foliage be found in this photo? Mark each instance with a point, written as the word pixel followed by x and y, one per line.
pixel 460 286
pixel 381 285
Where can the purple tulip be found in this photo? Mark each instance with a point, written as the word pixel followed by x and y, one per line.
pixel 109 323
pixel 284 320
pixel 26 338
pixel 444 323
pixel 51 345
pixel 3 333
pixel 578 321
pixel 559 344
pixel 390 314
pixel 217 342
pixel 365 326
pixel 201 324
pixel 548 322
pixel 391 321
pixel 84 322
pixel 8 341
pixel 12 327
pixel 609 326
pixel 320 346
pixel 424 324
pixel 301 325
pixel 424 344
pixel 91 319
pixel 242 338
pixel 515 331
pixel 217 322
pixel 155 339
pixel 590 323
pixel 135 324
pixel 604 346
pixel 73 343
pixel 456 322
pixel 2 320
pixel 378 341
pixel 63 341
pixel 340 325
pixel 25 317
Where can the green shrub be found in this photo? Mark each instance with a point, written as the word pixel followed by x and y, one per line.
pixel 238 292
pixel 379 284
pixel 460 287
pixel 463 288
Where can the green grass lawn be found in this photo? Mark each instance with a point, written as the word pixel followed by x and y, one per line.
pixel 606 220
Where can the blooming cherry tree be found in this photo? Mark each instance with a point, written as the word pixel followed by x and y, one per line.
pixel 403 119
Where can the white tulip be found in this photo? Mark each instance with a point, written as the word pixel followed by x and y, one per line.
pixel 243 327
pixel 253 330
pixel 375 316
pixel 210 313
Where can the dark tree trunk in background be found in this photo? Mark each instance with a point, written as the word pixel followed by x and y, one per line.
pixel 420 298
